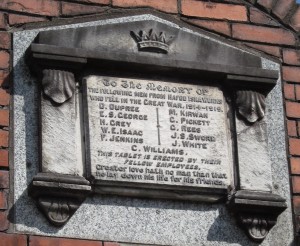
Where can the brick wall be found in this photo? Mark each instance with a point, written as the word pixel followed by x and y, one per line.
pixel 269 26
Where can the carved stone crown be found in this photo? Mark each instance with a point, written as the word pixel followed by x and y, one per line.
pixel 152 42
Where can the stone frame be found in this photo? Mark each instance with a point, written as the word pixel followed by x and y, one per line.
pixel 263 205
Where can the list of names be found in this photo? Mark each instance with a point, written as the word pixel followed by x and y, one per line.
pixel 157 132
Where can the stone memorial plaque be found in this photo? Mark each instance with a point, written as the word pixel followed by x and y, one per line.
pixel 154 132
pixel 149 138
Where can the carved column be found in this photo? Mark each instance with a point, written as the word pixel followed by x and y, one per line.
pixel 60 187
pixel 255 206
pixel 251 130
pixel 58 123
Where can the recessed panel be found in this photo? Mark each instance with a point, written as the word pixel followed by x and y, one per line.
pixel 156 132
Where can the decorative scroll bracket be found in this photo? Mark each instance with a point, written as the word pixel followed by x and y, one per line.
pixel 256 212
pixel 58 85
pixel 250 105
pixel 59 196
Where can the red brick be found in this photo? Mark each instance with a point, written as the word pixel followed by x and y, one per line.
pixel 14 19
pixel 3 158
pixel 296 203
pixel 263 34
pixel 271 50
pixel 4 223
pixel 4 97
pixel 268 4
pixel 13 240
pixel 3 199
pixel 294 146
pixel 4 179
pixel 77 9
pixel 4 59
pixel 111 244
pixel 233 1
pixel 257 16
pixel 289 91
pixel 214 10
pixel 297 91
pixel 291 74
pixel 4 40
pixel 295 165
pixel 295 20
pixel 47 241
pixel 283 7
pixel 217 26
pixel 296 184
pixel 291 127
pixel 169 6
pixel 3 138
pixel 4 117
pixel 3 78
pixel 2 21
pixel 298 128
pixel 293 109
pixel 95 1
pixel 40 7
pixel 291 57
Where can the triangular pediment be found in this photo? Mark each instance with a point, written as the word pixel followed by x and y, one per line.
pixel 153 41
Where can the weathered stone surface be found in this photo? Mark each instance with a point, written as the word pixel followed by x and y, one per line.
pixel 277 154
pixel 121 44
pixel 59 143
pixel 254 163
pixel 157 132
